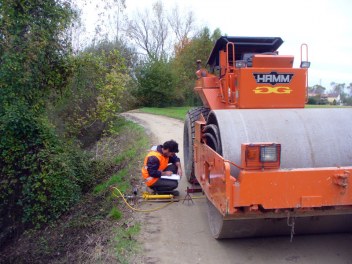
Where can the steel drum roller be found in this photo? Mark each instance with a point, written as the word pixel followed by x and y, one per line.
pixel 309 138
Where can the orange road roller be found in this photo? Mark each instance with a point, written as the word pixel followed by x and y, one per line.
pixel 267 165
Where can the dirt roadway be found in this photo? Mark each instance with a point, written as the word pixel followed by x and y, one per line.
pixel 180 233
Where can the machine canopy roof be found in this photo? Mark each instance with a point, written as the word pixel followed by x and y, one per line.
pixel 244 45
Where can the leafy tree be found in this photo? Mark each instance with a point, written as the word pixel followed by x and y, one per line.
pixel 126 52
pixel 338 88
pixel 33 50
pixel 184 63
pixel 216 35
pixel 313 100
pixel 349 88
pixel 317 89
pixel 155 84
pixel 94 96
pixel 348 100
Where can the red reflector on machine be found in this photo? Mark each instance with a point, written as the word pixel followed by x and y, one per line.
pixel 252 153
pixel 261 155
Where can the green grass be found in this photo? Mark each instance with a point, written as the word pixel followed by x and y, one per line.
pixel 118 179
pixel 326 106
pixel 126 156
pixel 126 243
pixel 174 112
pixel 115 213
pixel 121 125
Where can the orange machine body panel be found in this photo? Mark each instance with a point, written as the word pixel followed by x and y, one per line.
pixel 266 88
pixel 272 61
pixel 255 88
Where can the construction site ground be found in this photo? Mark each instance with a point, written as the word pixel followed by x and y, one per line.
pixel 180 233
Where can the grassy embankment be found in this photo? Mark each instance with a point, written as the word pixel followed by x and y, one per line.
pixel 133 143
pixel 99 229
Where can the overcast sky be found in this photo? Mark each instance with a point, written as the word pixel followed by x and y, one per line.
pixel 325 25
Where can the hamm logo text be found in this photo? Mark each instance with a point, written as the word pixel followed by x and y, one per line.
pixel 273 77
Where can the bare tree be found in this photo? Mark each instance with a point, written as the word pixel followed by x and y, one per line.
pixel 77 30
pixel 181 26
pixel 338 88
pixel 349 87
pixel 149 30
pixel 160 28
pixel 110 15
pixel 117 17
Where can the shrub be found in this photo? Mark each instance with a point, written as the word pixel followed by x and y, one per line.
pixel 93 96
pixel 156 84
pixel 40 176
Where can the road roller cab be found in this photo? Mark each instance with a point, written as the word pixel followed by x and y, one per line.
pixel 267 165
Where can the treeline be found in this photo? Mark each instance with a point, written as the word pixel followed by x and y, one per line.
pixel 338 94
pixel 162 82
pixel 168 44
pixel 56 103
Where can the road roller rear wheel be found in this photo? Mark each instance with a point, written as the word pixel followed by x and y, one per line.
pixel 188 138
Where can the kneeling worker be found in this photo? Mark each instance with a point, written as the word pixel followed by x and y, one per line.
pixel 162 161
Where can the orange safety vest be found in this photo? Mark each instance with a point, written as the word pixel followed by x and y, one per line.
pixel 164 161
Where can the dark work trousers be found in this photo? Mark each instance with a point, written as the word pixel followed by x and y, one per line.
pixel 163 185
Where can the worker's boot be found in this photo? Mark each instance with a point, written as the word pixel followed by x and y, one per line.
pixel 175 193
